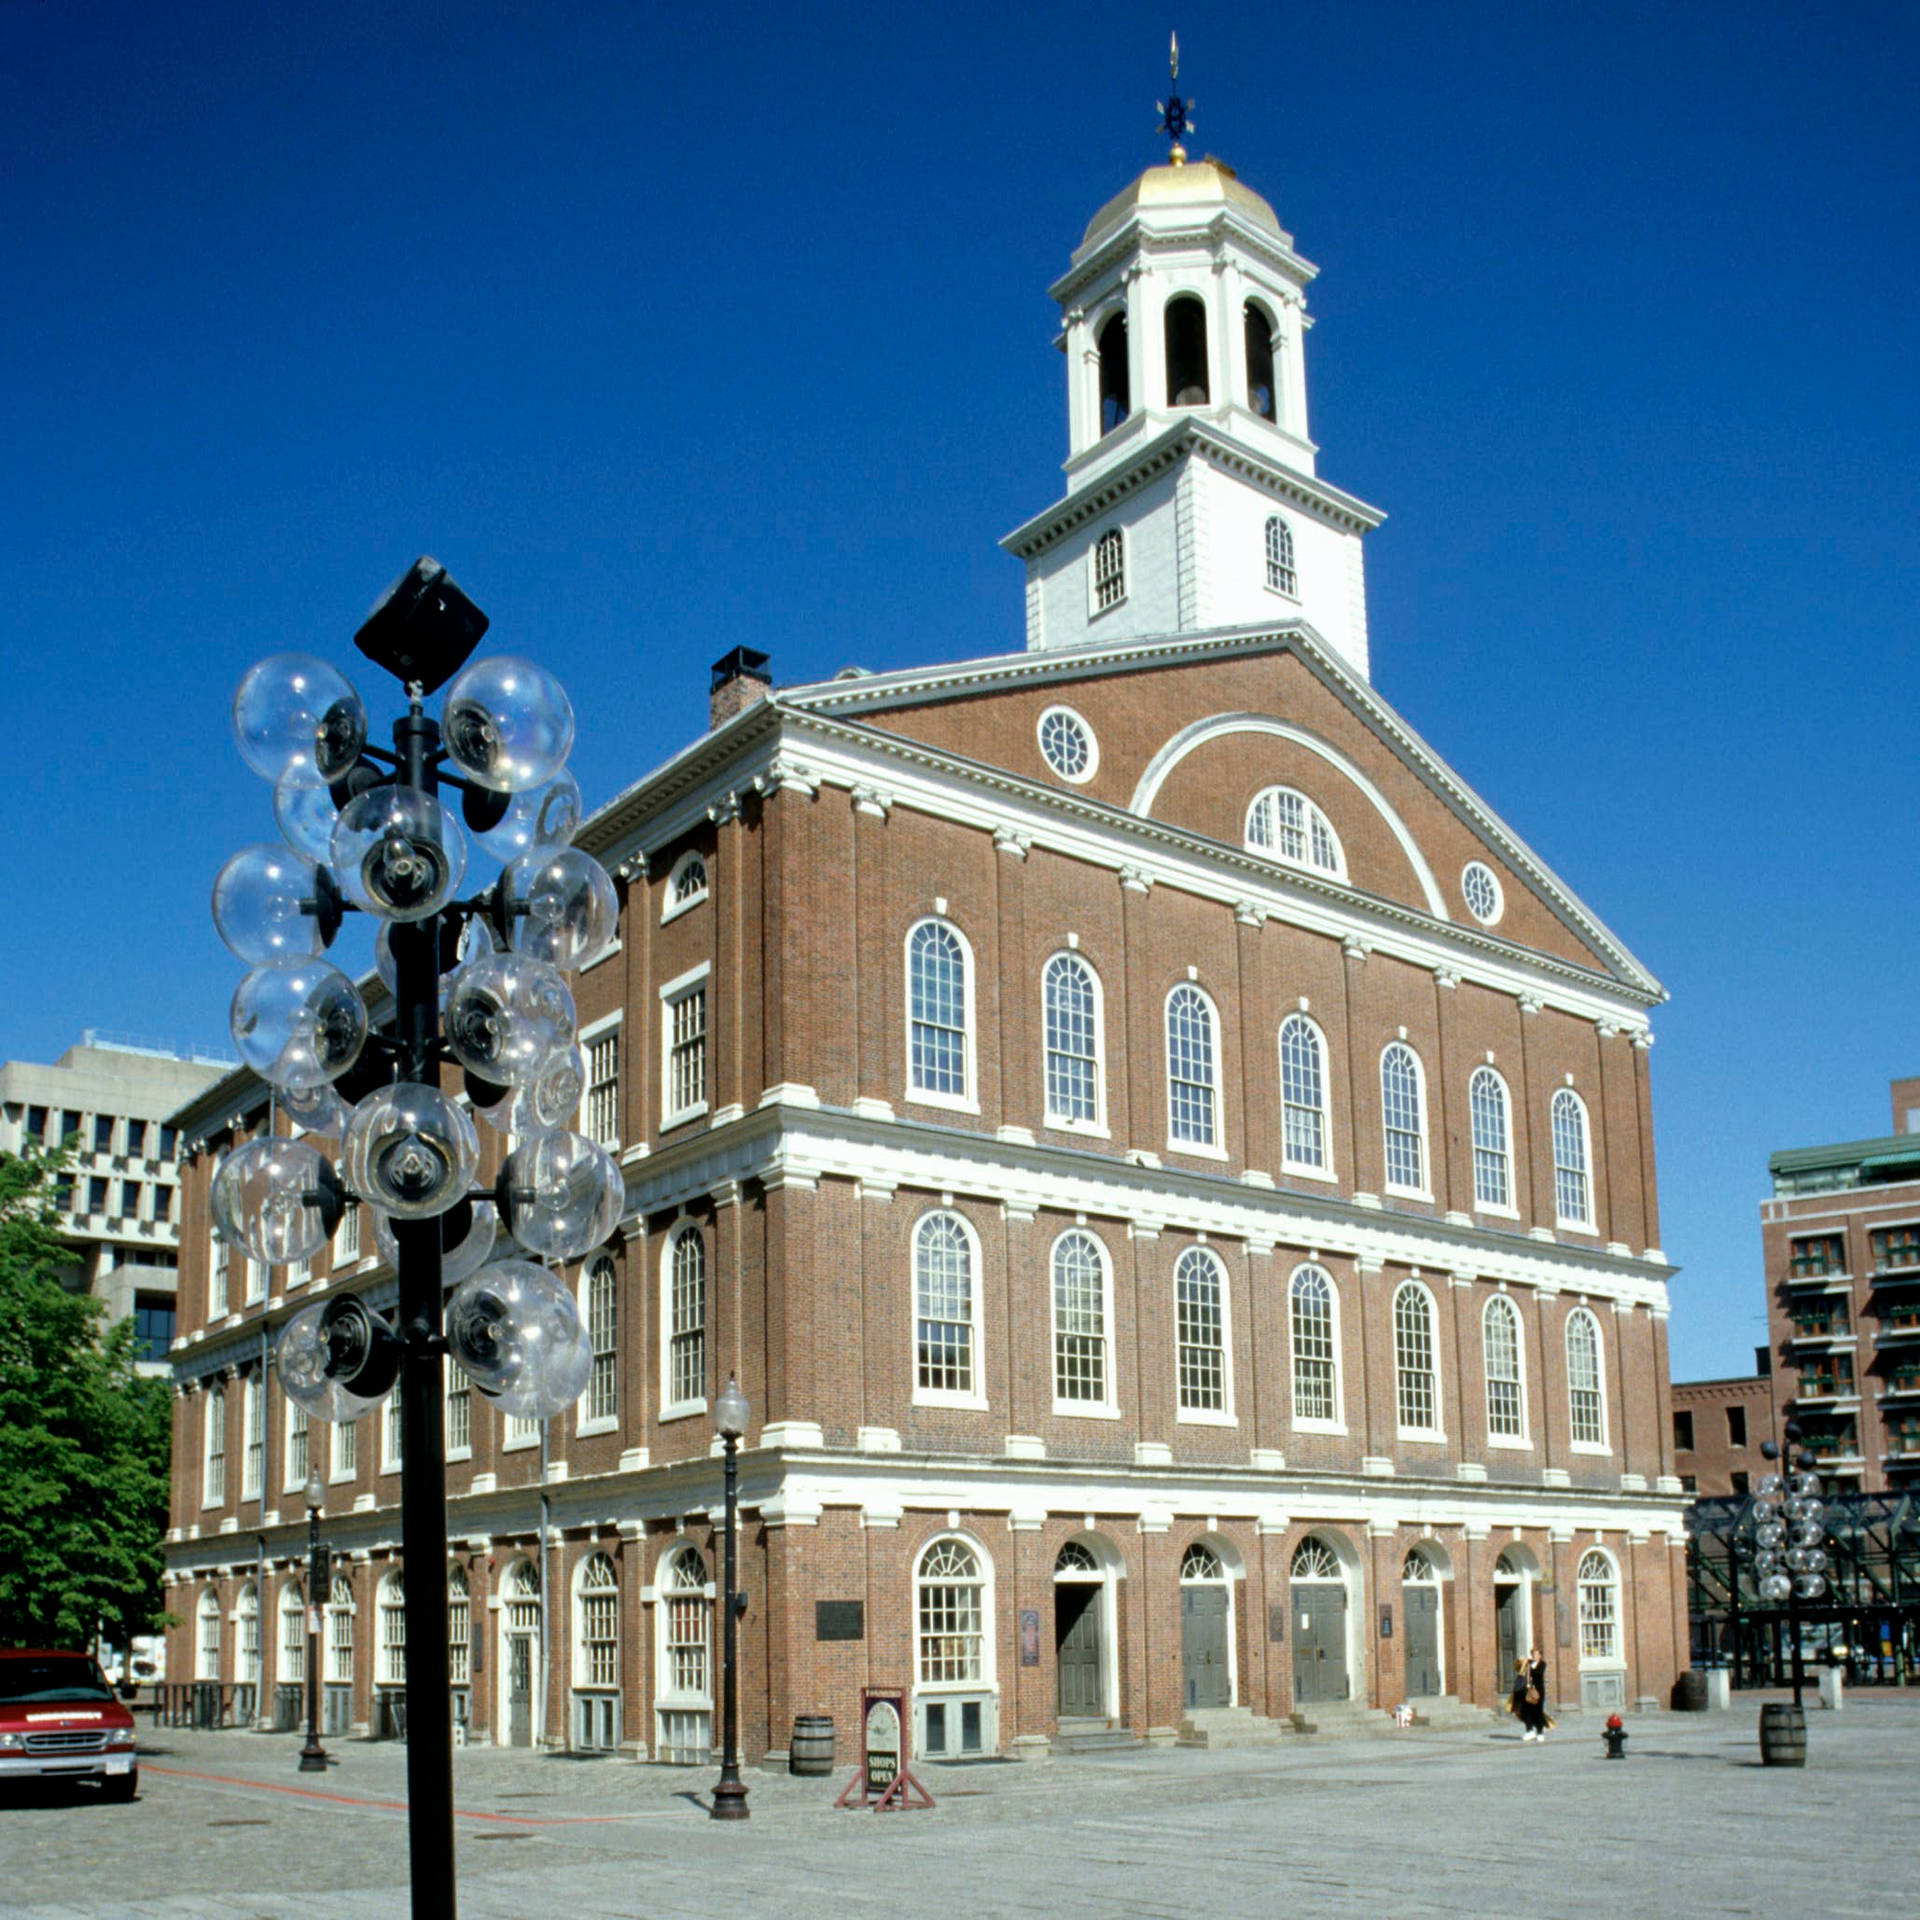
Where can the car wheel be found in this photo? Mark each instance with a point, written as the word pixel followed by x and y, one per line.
pixel 122 1787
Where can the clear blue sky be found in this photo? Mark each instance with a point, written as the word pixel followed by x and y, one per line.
pixel 674 328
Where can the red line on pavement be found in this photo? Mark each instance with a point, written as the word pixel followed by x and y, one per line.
pixel 390 1806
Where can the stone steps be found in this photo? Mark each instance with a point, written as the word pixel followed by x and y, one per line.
pixel 1449 1714
pixel 1215 1727
pixel 1079 1737
pixel 1341 1720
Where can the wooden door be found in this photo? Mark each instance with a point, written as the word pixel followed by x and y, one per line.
pixel 1507 1633
pixel 1203 1647
pixel 1077 1651
pixel 519 1690
pixel 1319 1642
pixel 1421 1605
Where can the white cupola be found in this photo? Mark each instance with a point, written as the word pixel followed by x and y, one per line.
pixel 1192 501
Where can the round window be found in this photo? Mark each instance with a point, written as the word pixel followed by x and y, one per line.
pixel 1066 742
pixel 1482 892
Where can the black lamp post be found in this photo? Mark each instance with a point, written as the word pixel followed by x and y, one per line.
pixel 313 1756
pixel 730 1793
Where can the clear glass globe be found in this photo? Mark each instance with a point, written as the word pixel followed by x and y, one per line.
pixel 552 1098
pixel 398 852
pixel 305 816
pixel 476 940
pixel 1810 1534
pixel 1776 1587
pixel 1771 1486
pixel 315 1110
pixel 257 901
pixel 516 1332
pixel 298 1023
pixel 332 1334
pixel 506 1013
pixel 466 1239
pixel 560 1195
pixel 507 723
pixel 1768 1560
pixel 1806 1486
pixel 1769 1533
pixel 561 906
pixel 546 816
pixel 265 1198
pixel 1809 1586
pixel 294 716
pixel 410 1150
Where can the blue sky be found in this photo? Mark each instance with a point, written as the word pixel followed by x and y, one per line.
pixel 673 329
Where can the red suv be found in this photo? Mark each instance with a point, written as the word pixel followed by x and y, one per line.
pixel 59 1719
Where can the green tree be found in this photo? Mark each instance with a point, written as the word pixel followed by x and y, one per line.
pixel 84 1440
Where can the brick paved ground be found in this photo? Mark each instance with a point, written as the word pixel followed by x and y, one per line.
pixel 1420 1823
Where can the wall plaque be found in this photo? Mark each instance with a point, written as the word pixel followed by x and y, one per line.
pixel 1277 1623
pixel 839 1620
pixel 1029 1636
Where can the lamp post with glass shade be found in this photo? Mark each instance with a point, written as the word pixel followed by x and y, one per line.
pixel 730 1794
pixel 313 1756
pixel 365 832
pixel 1790 1559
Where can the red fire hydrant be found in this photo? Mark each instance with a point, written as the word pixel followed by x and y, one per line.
pixel 1615 1735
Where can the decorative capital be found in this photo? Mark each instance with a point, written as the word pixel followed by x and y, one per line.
pixel 1606 1029
pixel 1250 913
pixel 1643 1039
pixel 1446 977
pixel 1005 840
pixel 724 810
pixel 1355 948
pixel 1531 1003
pixel 785 774
pixel 1136 879
pixel 873 800
pixel 633 867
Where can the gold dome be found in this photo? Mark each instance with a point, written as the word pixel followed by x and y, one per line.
pixel 1203 185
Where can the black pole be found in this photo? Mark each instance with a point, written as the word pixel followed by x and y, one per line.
pixel 730 1793
pixel 313 1756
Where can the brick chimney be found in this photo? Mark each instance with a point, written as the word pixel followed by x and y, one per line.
pixel 739 679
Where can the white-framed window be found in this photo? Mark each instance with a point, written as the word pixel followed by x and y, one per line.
pixel 946 1312
pixel 1305 1125
pixel 1598 1585
pixel 346 1450
pixel 1403 1119
pixel 206 1652
pixel 1282 576
pixel 213 1455
pixel 393 1434
pixel 299 1272
pixel 1586 1398
pixel 949 1615
pixel 256 1281
pixel 459 1413
pixel 1313 1559
pixel 1071 1015
pixel 939 1015
pixel 1193 1071
pixel 596 1655
pixel 299 1450
pixel 1506 1382
pixel 340 1632
pixel 253 1431
pixel 1314 1312
pixel 246 1639
pixel 1109 570
pixel 1284 823
pixel 517 1431
pixel 1416 1376
pixel 683 1038
pixel 1492 1120
pixel 1572 1188
pixel 600 1404
pixel 1480 889
pixel 683 1281
pixel 1082 1316
pixel 293 1634
pixel 1067 745
pixel 392 1648
pixel 219 1266
pixel 686 886
pixel 459 1626
pixel 683 1696
pixel 600 1104
pixel 1200 1328
pixel 346 1236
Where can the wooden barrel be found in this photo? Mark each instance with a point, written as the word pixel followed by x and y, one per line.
pixel 811 1750
pixel 1783 1735
pixel 1693 1691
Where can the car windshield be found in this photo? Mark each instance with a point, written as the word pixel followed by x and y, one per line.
pixel 53 1676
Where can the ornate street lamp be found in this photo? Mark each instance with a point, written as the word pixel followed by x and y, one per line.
pixel 366 832
pixel 1790 1559
pixel 730 1794
pixel 313 1756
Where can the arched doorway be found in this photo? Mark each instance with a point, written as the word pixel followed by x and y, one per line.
pixel 1318 1590
pixel 1206 1629
pixel 1512 1613
pixel 1420 1609
pixel 519 1652
pixel 1079 1634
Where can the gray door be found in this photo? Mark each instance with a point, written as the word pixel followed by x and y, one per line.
pixel 1076 1618
pixel 1203 1647
pixel 1422 1608
pixel 519 1690
pixel 1319 1642
pixel 1507 1632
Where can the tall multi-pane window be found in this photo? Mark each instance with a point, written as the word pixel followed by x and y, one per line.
pixel 1303 1095
pixel 1586 1409
pixel 602 1401
pixel 943 1306
pixel 299 1453
pixel 1500 1339
pixel 684 1696
pixel 1289 826
pixel 256 1281
pixel 219 1264
pixel 459 1627
pixel 686 1318
pixel 1316 1354
pixel 393 1433
pixel 1415 1383
pixel 1403 1119
pixel 1070 998
pixel 213 1476
pixel 346 1449
pixel 1109 570
pixel 1199 1290
pixel 459 1410
pixel 346 1236
pixel 686 1024
pixel 597 1626
pixel 340 1632
pixel 1492 1139
pixel 1599 1596
pixel 393 1631
pixel 253 1427
pixel 602 1105
pixel 246 1652
pixel 1192 1064
pixel 206 1662
pixel 103 1133
pixel 937 990
pixel 1281 576
pixel 292 1670
pixel 950 1614
pixel 1572 1191
pixel 1079 1320
pixel 1894 1248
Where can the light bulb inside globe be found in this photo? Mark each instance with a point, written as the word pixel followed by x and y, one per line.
pixel 506 1013
pixel 298 1023
pixel 552 1098
pixel 398 852
pixel 546 816
pixel 277 1198
pixel 1806 1486
pixel 514 1329
pixel 336 1358
pixel 558 904
pixel 410 1151
pixel 468 1230
pixel 506 723
pixel 318 1110
pixel 1776 1587
pixel 1809 1586
pixel 270 903
pixel 297 718
pixel 730 1411
pixel 560 1195
pixel 1771 1487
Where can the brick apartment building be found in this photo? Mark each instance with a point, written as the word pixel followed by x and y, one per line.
pixel 1172 1170
pixel 1719 1427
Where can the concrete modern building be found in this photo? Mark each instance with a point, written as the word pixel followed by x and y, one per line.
pixel 1170 1167
pixel 113 1100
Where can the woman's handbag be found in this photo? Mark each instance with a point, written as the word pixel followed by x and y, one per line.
pixel 1533 1696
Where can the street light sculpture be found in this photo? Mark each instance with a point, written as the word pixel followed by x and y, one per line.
pixel 367 832
pixel 730 1794
pixel 313 1756
pixel 1789 1534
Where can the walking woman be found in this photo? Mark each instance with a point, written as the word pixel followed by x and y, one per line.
pixel 1529 1702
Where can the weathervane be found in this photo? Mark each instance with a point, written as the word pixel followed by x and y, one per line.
pixel 1176 115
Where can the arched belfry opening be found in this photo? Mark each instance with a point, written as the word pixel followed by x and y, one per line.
pixel 1187 384
pixel 1116 383
pixel 1260 390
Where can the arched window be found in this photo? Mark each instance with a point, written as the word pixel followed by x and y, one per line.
pixel 1116 378
pixel 1261 398
pixel 1192 1069
pixel 686 885
pixel 945 1303
pixel 459 1628
pixel 1417 1569
pixel 596 1655
pixel 1287 825
pixel 601 1401
pixel 292 1670
pixel 1075 1561
pixel 206 1657
pixel 340 1632
pixel 1492 1139
pixel 1403 1117
pixel 1313 1559
pixel 685 1319
pixel 1079 1323
pixel 1572 1191
pixel 1109 570
pixel 1070 1005
pixel 1187 384
pixel 1200 1294
pixel 1599 1591
pixel 393 1630
pixel 1303 1096
pixel 939 1038
pixel 1282 576
pixel 683 1704
pixel 1586 1406
pixel 1316 1348
pixel 1200 1562
pixel 1416 1384
pixel 246 1652
pixel 1506 1396
pixel 213 1473
pixel 949 1615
